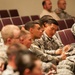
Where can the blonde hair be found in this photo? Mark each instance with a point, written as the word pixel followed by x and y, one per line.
pixel 7 31
pixel 24 33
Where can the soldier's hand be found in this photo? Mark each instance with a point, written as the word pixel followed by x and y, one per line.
pixel 54 67
pixel 63 56
pixel 58 51
pixel 51 72
pixel 66 48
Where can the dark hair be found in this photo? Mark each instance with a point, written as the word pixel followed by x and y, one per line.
pixel 44 19
pixel 52 21
pixel 25 60
pixel 30 24
pixel 43 3
pixel 13 49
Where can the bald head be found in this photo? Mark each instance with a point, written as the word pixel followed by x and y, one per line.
pixel 62 4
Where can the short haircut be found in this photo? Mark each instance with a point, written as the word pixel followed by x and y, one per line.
pixel 7 31
pixel 13 49
pixel 43 2
pixel 24 33
pixel 52 21
pixel 25 60
pixel 44 19
pixel 30 24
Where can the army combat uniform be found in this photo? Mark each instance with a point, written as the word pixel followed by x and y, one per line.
pixel 73 29
pixel 62 14
pixel 67 67
pixel 48 45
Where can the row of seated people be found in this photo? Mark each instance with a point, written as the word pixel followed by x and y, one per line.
pixel 45 45
pixel 58 13
pixel 62 25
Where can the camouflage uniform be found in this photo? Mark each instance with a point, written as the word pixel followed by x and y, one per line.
pixel 62 14
pixel 3 57
pixel 3 54
pixel 73 29
pixel 47 59
pixel 49 45
pixel 39 52
pixel 9 71
pixel 67 67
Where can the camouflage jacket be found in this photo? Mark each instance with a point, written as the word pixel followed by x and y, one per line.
pixel 62 14
pixel 48 45
pixel 67 67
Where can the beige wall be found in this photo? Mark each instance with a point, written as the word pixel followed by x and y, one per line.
pixel 33 7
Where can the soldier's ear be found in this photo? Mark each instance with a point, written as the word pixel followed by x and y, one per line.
pixel 9 40
pixel 31 30
pixel 21 40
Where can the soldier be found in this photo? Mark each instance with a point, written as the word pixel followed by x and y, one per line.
pixel 12 51
pixel 49 42
pixel 60 11
pixel 10 35
pixel 25 38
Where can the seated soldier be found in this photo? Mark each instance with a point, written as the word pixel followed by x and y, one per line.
pixel 25 38
pixel 10 34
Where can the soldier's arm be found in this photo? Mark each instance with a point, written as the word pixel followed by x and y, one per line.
pixel 43 56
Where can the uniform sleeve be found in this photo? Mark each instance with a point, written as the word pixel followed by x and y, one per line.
pixel 43 56
pixel 65 67
pixel 58 41
pixel 46 66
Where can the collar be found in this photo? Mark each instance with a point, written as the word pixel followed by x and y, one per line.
pixel 10 67
pixel 61 10
pixel 47 11
pixel 46 37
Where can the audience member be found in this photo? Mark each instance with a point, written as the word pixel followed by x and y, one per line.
pixel 28 63
pixel 12 51
pixel 49 42
pixel 47 9
pixel 25 38
pixel 10 34
pixel 60 10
